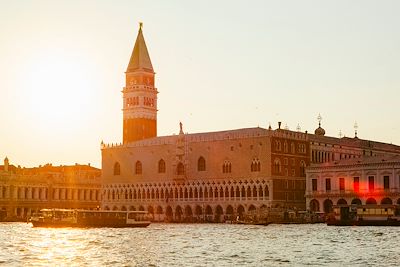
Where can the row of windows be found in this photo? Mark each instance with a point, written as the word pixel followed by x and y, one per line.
pixel 147 101
pixel 132 101
pixel 180 169
pixel 36 193
pixel 227 167
pixel 348 156
pixel 147 81
pixel 301 148
pixel 189 211
pixel 286 184
pixel 286 161
pixel 278 167
pixel 324 156
pixel 187 193
pixel 321 156
pixel 356 184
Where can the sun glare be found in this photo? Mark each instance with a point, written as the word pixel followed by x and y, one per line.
pixel 57 90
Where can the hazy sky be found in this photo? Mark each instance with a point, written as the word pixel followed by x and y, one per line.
pixel 220 65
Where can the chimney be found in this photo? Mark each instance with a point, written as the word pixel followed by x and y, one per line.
pixel 279 124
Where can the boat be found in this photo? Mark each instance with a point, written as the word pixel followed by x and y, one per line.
pixel 89 218
pixel 251 222
pixel 252 218
pixel 364 215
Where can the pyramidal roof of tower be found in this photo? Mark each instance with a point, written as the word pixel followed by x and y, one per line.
pixel 140 58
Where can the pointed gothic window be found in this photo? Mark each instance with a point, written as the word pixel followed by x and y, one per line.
pixel 302 168
pixel 277 166
pixel 302 148
pixel 255 165
pixel 117 168
pixel 161 166
pixel 292 148
pixel 278 145
pixel 227 167
pixel 201 164
pixel 138 167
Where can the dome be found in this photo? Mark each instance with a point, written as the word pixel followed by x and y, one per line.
pixel 319 131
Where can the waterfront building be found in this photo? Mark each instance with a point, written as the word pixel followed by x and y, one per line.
pixel 361 181
pixel 330 158
pixel 212 176
pixel 203 176
pixel 27 190
pixel 327 148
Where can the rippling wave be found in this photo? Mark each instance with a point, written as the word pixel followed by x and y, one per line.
pixel 200 245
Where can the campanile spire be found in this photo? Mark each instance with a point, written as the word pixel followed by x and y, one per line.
pixel 140 58
pixel 139 94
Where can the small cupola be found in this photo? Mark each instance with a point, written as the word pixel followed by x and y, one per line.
pixel 319 131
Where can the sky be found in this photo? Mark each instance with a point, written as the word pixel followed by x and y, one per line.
pixel 219 65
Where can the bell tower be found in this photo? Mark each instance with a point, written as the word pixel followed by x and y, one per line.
pixel 139 95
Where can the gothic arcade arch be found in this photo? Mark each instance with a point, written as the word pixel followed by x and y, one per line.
pixel 371 201
pixel 240 210
pixel 386 201
pixel 328 204
pixel 314 205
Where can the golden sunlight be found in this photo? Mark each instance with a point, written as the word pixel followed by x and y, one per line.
pixel 56 89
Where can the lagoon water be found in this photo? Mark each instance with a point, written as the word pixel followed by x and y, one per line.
pixel 200 245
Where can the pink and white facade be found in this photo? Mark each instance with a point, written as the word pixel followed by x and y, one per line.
pixel 361 181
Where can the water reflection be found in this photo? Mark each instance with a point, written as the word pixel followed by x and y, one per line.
pixel 200 245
